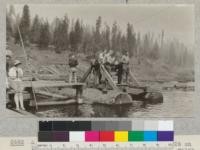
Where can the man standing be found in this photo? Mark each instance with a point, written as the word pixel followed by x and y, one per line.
pixel 73 63
pixel 119 72
pixel 119 68
pixel 97 71
pixel 102 57
pixel 125 61
pixel 15 74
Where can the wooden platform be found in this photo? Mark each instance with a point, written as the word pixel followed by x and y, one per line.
pixel 42 83
pixel 36 85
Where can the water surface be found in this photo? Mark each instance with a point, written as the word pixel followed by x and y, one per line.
pixel 176 103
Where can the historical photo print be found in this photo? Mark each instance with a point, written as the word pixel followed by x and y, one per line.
pixel 99 60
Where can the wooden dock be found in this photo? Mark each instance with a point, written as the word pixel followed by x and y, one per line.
pixel 38 85
pixel 43 83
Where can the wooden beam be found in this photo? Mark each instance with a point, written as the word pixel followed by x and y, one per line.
pixel 52 76
pixel 133 77
pixel 52 70
pixel 108 77
pixel 85 76
pixel 13 92
pixel 42 83
pixel 51 94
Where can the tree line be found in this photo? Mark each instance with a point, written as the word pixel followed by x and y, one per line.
pixel 73 35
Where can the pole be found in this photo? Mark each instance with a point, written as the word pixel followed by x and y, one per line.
pixel 26 61
pixel 134 78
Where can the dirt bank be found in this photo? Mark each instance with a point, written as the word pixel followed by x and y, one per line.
pixel 147 70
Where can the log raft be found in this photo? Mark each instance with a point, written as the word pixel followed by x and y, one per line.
pixel 37 85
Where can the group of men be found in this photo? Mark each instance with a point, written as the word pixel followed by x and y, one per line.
pixel 14 74
pixel 112 61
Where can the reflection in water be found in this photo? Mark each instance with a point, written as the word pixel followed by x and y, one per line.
pixel 176 104
pixel 111 111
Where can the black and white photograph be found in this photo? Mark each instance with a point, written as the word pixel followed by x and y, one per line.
pixel 96 60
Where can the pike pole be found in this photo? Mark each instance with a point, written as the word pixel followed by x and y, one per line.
pixel 26 61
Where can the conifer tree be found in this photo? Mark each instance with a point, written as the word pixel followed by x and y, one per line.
pixel 131 40
pixel 97 34
pixel 76 35
pixel 44 39
pixel 114 35
pixel 35 30
pixel 9 30
pixel 25 24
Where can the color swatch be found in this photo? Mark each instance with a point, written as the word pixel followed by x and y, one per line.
pixel 106 136
pixel 106 131
pixel 121 136
pixel 91 136
pixel 136 136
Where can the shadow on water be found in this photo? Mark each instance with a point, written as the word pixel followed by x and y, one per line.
pixel 72 110
pixel 89 110
pixel 101 110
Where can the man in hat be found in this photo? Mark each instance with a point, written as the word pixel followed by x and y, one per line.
pixel 96 69
pixel 15 74
pixel 73 63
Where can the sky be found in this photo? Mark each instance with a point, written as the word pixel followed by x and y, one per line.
pixel 176 20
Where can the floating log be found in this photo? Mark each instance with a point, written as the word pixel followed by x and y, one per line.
pixel 123 98
pixel 113 97
pixel 149 97
pixel 154 97
pixel 48 103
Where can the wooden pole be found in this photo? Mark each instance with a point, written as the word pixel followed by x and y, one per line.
pixel 85 76
pixel 133 77
pixel 26 61
pixel 108 77
pixel 79 93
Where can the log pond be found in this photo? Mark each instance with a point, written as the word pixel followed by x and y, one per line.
pixel 177 103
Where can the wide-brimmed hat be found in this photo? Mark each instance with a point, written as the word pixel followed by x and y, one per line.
pixel 17 62
pixel 9 53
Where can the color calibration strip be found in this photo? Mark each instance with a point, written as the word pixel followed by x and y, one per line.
pixel 105 131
